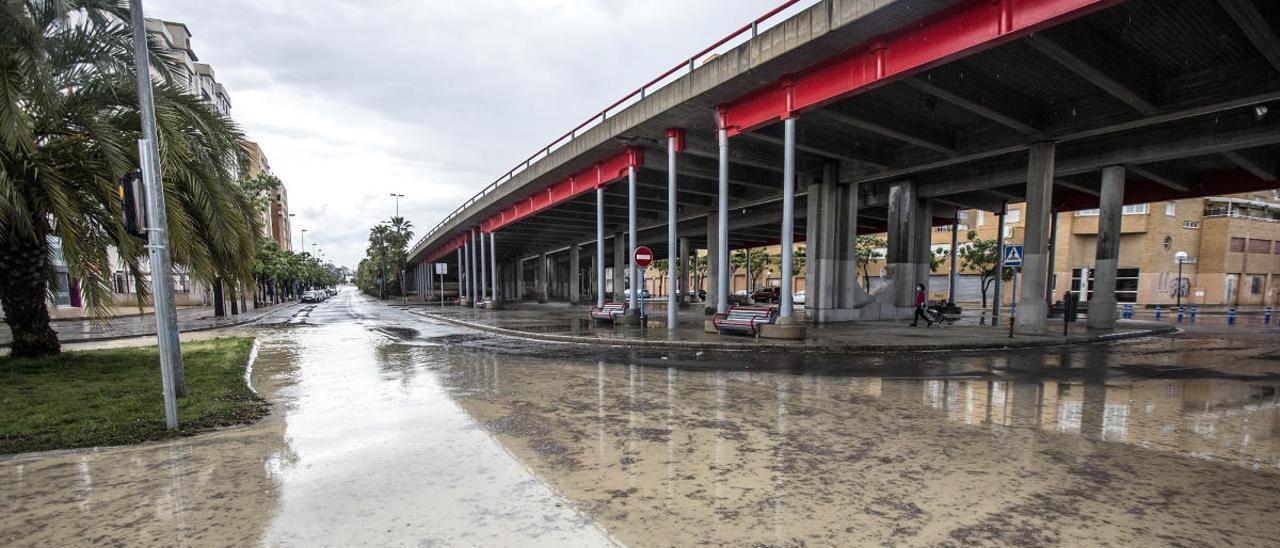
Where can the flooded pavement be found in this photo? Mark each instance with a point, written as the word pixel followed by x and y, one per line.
pixel 392 430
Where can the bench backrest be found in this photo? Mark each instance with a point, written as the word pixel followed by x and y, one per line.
pixel 743 313
pixel 613 306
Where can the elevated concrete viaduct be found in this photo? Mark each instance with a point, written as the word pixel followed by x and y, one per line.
pixel 860 116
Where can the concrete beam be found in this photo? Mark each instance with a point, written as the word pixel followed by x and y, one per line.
pixel 756 136
pixel 885 131
pixel 1154 177
pixel 1255 28
pixel 1078 188
pixel 1092 74
pixel 1247 163
pixel 734 158
pixel 1146 154
pixel 971 106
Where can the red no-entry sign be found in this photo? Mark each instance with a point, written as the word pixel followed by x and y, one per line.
pixel 643 256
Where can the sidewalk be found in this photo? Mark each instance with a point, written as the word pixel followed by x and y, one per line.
pixel 189 319
pixel 558 322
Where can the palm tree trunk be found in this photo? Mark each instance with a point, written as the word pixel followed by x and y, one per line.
pixel 25 263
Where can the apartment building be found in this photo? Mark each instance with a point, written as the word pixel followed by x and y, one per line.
pixel 1232 247
pixel 275 218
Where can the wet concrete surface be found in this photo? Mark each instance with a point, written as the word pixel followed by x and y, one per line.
pixel 389 429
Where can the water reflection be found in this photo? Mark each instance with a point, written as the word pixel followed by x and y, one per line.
pixel 736 457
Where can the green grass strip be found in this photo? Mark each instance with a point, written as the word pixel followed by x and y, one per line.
pixel 114 397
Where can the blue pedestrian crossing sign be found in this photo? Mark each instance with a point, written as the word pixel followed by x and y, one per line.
pixel 1013 255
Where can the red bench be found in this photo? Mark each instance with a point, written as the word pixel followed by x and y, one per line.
pixel 746 319
pixel 609 312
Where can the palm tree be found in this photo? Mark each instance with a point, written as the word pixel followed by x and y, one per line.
pixel 69 126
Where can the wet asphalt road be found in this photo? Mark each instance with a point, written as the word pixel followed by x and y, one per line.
pixel 392 430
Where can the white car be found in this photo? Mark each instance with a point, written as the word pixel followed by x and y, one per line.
pixel 798 297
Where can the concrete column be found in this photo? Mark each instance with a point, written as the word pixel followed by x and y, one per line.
pixel 599 262
pixel 713 271
pixel 999 297
pixel 493 261
pixel 786 308
pixel 953 279
pixel 1102 307
pixel 820 247
pixel 462 281
pixel 900 256
pixel 540 277
pixel 683 278
pixel 922 248
pixel 575 278
pixel 619 268
pixel 633 271
pixel 722 226
pixel 1053 252
pixel 851 294
pixel 1032 308
pixel 520 289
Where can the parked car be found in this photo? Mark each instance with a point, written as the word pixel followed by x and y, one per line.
pixel 798 298
pixel 699 294
pixel 644 293
pixel 312 296
pixel 765 295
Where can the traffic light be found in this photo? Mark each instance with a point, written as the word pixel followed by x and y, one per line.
pixel 135 203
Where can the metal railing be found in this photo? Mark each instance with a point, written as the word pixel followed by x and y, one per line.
pixel 687 66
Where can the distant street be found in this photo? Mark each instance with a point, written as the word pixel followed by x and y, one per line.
pixel 389 429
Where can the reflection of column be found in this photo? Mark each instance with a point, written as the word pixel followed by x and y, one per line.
pixel 721 391
pixel 631 424
pixel 1094 406
pixel 600 417
pixel 780 460
pixel 671 436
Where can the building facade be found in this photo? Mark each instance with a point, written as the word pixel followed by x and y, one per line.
pixel 275 217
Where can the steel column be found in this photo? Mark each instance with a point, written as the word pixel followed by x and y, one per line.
pixel 493 261
pixel 672 224
pixel 462 283
pixel 722 225
pixel 600 246
pixel 484 280
pixel 788 214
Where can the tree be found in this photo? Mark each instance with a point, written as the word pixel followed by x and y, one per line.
pixel 759 261
pixel 867 250
pixel 69 126
pixel 699 271
pixel 982 256
pixel 661 266
pixel 379 274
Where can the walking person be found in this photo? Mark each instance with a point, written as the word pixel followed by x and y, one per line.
pixel 922 308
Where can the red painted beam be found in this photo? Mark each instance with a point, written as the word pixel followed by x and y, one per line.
pixel 958 31
pixel 598 175
pixel 454 243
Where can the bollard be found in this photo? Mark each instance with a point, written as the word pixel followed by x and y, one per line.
pixel 1157 312
pixel 1231 316
pixel 1127 313
pixel 1179 314
pixel 1194 310
pixel 1266 316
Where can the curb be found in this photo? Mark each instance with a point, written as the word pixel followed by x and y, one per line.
pixel 788 347
pixel 180 330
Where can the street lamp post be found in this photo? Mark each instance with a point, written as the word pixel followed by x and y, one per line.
pixel 1181 257
pixel 291 215
pixel 304 240
pixel 397 199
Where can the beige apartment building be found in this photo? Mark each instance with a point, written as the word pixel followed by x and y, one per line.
pixel 275 218
pixel 1232 247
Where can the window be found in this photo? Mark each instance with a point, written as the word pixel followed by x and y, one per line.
pixel 1168 242
pixel 1255 285
pixel 1127 285
pixel 1014 215
pixel 1170 209
pixel 982 217
pixel 1136 209
pixel 1075 283
pixel 1008 232
pixel 1194 225
pixel 964 215
pixel 121 282
pixel 1277 249
pixel 1259 246
pixel 1237 245
pixel 1087 213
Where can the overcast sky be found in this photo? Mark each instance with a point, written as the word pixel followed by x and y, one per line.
pixel 354 100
